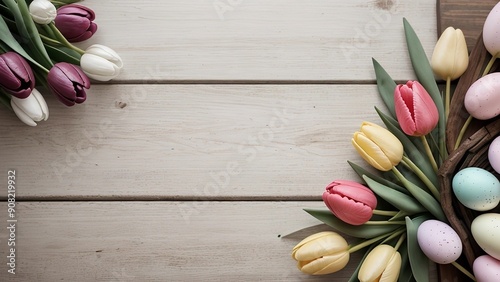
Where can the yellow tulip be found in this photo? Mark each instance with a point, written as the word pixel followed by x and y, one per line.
pixel 382 264
pixel 321 253
pixel 378 146
pixel 450 57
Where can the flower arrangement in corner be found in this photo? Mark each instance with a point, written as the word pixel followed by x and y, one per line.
pixel 398 213
pixel 37 51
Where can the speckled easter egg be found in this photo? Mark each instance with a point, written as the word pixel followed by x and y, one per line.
pixel 491 37
pixel 486 232
pixel 486 269
pixel 494 154
pixel 439 242
pixel 482 99
pixel 476 188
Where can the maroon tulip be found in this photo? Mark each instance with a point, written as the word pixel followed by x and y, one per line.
pixel 350 201
pixel 75 22
pixel 16 76
pixel 68 81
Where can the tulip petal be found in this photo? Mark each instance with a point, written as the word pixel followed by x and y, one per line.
pixel 95 65
pixel 30 107
pixel 22 115
pixel 370 152
pixel 426 114
pixel 376 263
pixel 391 272
pixel 385 140
pixel 41 101
pixel 325 245
pixel 325 265
pixel 348 210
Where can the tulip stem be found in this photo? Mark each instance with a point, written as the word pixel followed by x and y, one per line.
pixel 63 39
pixel 367 243
pixel 463 270
pixel 400 241
pixel 428 151
pixel 447 98
pixel 490 64
pixel 432 188
pixel 385 213
pixel 462 132
pixel 401 222
pixel 50 41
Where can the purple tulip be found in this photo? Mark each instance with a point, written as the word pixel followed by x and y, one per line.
pixel 68 81
pixel 16 76
pixel 75 22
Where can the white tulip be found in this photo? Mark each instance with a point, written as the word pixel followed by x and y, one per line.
pixel 42 11
pixel 101 63
pixel 34 108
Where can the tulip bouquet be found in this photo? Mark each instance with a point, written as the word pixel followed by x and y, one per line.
pixel 37 51
pixel 399 215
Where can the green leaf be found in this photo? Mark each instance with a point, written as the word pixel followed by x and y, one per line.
pixel 427 200
pixel 28 31
pixel 63 54
pixel 59 3
pixel 425 76
pixel 358 231
pixel 405 275
pixel 5 100
pixel 421 160
pixel 386 86
pixel 399 200
pixel 361 171
pixel 418 260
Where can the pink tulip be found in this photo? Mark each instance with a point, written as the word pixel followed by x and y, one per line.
pixel 416 112
pixel 350 201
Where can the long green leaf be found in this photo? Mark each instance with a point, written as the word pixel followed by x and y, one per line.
pixel 361 171
pixel 358 231
pixel 28 31
pixel 405 275
pixel 425 75
pixel 8 39
pixel 63 54
pixel 424 198
pixel 386 86
pixel 418 260
pixel 411 150
pixel 399 200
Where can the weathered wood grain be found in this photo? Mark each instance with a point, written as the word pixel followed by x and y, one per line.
pixel 467 15
pixel 190 141
pixel 283 40
pixel 158 241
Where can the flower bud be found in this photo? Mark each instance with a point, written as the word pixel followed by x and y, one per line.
pixel 350 201
pixel 322 253
pixel 101 63
pixel 383 263
pixel 378 146
pixel 16 75
pixel 31 109
pixel 75 22
pixel 42 11
pixel 416 112
pixel 450 57
pixel 68 83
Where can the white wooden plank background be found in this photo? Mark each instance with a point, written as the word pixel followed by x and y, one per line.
pixel 287 141
pixel 284 40
pixel 159 241
pixel 105 188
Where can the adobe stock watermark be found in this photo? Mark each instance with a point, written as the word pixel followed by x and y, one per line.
pixel 221 179
pixel 76 153
pixel 380 19
pixel 223 6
